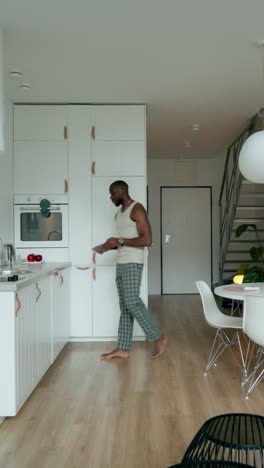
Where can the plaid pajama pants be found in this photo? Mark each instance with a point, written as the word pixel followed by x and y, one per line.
pixel 128 279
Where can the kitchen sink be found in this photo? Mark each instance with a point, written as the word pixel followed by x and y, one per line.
pixel 11 272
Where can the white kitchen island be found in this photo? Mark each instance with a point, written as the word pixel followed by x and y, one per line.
pixel 34 329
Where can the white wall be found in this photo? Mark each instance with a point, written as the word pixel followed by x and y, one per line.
pixel 162 172
pixel 6 160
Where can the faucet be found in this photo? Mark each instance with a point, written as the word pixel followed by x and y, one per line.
pixel 8 255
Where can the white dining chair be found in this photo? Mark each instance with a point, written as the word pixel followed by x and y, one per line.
pixel 253 326
pixel 215 318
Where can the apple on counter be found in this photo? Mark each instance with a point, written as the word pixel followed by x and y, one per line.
pixel 31 257
pixel 34 258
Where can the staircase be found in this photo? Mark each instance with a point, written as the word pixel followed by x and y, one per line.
pixel 240 202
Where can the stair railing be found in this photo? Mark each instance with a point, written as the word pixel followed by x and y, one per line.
pixel 230 191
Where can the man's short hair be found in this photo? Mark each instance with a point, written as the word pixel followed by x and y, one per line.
pixel 121 184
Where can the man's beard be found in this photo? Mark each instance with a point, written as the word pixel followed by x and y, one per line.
pixel 118 202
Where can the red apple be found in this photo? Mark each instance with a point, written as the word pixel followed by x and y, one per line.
pixel 38 258
pixel 31 257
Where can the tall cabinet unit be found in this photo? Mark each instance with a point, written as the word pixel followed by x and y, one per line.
pixel 118 152
pixel 81 150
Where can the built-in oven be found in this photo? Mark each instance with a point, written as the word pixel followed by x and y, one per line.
pixel 41 221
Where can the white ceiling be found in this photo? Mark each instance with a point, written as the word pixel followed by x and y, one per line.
pixel 190 61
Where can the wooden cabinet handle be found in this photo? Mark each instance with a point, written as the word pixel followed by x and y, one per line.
pixel 65 132
pixel 94 274
pixel 94 257
pixel 62 280
pixel 93 167
pixel 66 186
pixel 39 292
pixel 18 303
pixel 93 132
pixel 83 268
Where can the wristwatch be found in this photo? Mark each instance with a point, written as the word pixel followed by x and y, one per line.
pixel 121 242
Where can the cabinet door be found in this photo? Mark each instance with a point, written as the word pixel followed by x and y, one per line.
pixel 40 167
pixel 60 311
pixel 26 344
pixel 119 158
pixel 104 212
pixel 120 122
pixel 79 184
pixel 39 122
pixel 106 311
pixel 43 311
pixel 81 302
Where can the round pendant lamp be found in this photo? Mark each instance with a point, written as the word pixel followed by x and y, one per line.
pixel 251 158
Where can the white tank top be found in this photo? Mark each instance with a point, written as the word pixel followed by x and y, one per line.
pixel 127 229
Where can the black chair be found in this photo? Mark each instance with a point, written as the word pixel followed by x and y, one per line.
pixel 234 437
pixel 210 464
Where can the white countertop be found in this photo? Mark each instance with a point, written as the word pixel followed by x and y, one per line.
pixel 37 271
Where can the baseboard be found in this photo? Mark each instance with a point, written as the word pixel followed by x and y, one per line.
pixel 93 339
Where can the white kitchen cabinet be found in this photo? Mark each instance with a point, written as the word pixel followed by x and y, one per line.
pixel 26 344
pixel 60 310
pixel 119 158
pixel 81 302
pixel 80 184
pixel 107 312
pixel 103 223
pixel 40 167
pixel 43 310
pixel 119 122
pixel 40 122
pixel 118 141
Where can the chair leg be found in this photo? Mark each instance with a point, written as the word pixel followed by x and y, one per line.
pixel 220 343
pixel 254 380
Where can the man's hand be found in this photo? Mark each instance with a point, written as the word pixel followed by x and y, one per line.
pixel 110 244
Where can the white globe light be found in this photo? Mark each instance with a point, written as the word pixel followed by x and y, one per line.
pixel 251 158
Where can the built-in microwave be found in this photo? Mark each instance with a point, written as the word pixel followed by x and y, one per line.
pixel 34 227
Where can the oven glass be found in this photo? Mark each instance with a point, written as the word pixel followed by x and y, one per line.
pixel 36 228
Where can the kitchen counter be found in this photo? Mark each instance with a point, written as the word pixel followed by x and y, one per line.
pixel 37 271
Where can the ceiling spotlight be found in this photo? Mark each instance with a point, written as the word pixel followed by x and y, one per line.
pixel 187 144
pixel 25 86
pixel 260 43
pixel 196 127
pixel 15 73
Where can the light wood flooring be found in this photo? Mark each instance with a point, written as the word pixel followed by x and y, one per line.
pixel 135 413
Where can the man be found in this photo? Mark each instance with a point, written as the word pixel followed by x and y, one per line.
pixel 135 234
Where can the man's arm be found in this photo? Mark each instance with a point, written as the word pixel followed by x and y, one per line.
pixel 144 239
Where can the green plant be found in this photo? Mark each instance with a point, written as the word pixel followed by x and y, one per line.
pixel 255 273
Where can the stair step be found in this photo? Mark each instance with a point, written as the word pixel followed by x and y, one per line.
pixel 248 220
pixel 238 241
pixel 237 251
pixel 252 194
pixel 250 207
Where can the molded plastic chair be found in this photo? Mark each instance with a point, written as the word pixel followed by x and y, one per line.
pixel 210 464
pixel 235 437
pixel 215 318
pixel 253 325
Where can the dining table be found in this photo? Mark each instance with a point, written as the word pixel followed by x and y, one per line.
pixel 238 292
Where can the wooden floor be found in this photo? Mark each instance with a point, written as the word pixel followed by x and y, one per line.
pixel 127 414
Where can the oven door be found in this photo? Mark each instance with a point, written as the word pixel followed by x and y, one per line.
pixel 34 230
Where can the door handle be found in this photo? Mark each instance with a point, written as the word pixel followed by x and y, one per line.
pixel 168 237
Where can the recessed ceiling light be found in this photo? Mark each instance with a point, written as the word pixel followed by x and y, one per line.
pixel 15 73
pixel 25 86
pixel 260 43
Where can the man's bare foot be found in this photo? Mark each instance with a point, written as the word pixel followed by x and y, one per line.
pixel 116 353
pixel 160 346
